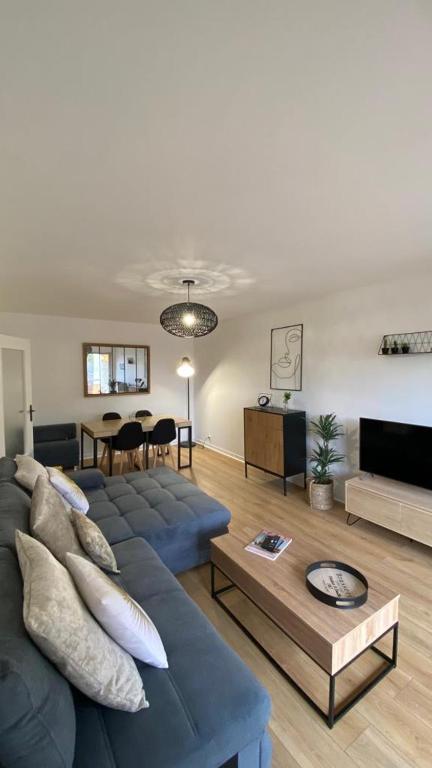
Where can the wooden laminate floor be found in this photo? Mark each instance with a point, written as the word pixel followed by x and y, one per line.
pixel 392 726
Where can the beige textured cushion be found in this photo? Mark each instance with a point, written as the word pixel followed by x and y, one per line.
pixel 122 617
pixel 28 471
pixel 63 629
pixel 50 521
pixel 94 542
pixel 68 489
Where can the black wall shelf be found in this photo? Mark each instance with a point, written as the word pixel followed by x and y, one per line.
pixel 416 343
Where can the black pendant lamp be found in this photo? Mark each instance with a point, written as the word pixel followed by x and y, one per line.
pixel 188 319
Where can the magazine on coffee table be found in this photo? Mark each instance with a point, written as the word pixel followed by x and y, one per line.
pixel 268 544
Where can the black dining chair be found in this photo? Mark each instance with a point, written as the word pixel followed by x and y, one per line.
pixel 128 441
pixel 109 416
pixel 141 414
pixel 164 432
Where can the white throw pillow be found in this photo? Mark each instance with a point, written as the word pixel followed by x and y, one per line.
pixel 68 489
pixel 120 616
pixel 28 471
pixel 64 630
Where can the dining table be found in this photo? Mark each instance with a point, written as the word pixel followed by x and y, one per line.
pixel 98 429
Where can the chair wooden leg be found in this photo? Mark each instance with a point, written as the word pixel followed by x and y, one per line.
pixel 172 456
pixel 163 453
pixel 104 455
pixel 139 460
pixel 154 455
pixel 121 462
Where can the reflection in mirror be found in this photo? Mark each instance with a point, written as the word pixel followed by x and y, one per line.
pixel 116 370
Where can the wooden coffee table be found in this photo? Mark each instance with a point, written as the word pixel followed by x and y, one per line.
pixel 331 637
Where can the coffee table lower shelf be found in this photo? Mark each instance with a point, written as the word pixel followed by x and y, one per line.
pixel 333 713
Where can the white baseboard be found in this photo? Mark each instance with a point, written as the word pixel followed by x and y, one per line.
pixel 218 449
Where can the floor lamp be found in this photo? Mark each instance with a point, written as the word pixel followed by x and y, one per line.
pixel 185 369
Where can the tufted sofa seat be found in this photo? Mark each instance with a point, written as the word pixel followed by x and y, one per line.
pixel 164 508
pixel 207 710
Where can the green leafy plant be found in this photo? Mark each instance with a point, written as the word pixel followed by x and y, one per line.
pixel 287 397
pixel 323 455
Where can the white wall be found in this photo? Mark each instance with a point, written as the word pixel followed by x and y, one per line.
pixel 341 369
pixel 57 367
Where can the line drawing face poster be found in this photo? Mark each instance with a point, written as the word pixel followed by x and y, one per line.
pixel 286 357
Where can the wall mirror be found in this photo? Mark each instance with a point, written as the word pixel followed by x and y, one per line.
pixel 111 369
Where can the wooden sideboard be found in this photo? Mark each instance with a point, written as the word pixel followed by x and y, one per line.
pixel 400 507
pixel 275 441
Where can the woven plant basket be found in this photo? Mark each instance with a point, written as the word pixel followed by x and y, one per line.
pixel 321 495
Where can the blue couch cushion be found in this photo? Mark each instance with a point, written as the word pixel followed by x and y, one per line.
pixel 8 468
pixel 162 506
pixel 205 708
pixel 64 453
pixel 14 513
pixel 37 715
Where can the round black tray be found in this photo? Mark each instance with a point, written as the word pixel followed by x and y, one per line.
pixel 338 601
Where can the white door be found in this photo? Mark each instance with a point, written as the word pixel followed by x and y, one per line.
pixel 16 410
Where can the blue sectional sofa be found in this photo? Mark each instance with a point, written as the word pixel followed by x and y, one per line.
pixel 207 710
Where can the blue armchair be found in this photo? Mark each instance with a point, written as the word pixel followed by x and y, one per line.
pixel 56 445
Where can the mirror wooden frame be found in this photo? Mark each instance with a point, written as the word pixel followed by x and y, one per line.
pixel 124 347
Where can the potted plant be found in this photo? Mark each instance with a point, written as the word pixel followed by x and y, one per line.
pixel 385 346
pixel 286 398
pixel 113 386
pixel 405 348
pixel 323 457
pixel 395 348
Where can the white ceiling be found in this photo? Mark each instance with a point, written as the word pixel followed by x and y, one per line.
pixel 275 149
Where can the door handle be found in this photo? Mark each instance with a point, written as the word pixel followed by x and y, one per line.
pixel 30 411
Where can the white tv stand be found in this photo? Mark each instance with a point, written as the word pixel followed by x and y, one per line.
pixel 400 507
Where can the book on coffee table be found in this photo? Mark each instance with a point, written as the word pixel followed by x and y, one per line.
pixel 268 544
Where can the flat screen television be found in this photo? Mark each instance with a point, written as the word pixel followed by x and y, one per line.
pixel 398 451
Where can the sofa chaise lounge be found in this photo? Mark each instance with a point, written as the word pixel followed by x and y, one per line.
pixel 207 710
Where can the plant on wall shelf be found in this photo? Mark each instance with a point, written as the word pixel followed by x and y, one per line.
pixel 323 457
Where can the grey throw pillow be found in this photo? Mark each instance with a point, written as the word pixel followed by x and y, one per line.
pixel 94 542
pixel 28 471
pixel 50 521
pixel 61 626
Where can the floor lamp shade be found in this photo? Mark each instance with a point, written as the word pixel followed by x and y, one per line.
pixel 185 368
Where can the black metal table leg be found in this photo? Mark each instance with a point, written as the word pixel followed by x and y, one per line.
pixel 146 451
pixel 95 451
pixel 188 444
pixel 110 456
pixel 331 704
pixel 82 448
pixel 178 449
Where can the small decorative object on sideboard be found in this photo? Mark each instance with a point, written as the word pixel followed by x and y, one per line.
pixel 415 343
pixel 264 399
pixel 337 584
pixel 323 457
pixel 286 399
